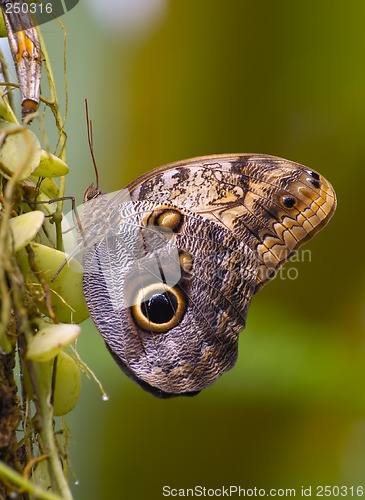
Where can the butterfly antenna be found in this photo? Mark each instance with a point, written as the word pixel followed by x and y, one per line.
pixel 92 191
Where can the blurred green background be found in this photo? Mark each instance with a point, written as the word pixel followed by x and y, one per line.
pixel 202 77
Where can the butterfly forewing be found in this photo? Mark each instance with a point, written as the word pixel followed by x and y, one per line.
pixel 272 204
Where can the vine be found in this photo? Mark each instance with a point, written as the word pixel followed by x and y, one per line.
pixel 39 381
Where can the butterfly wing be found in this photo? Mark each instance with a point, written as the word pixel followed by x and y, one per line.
pixel 170 305
pixel 272 204
pixel 171 271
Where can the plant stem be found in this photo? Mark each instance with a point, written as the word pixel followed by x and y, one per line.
pixel 60 123
pixel 16 479
pixel 45 419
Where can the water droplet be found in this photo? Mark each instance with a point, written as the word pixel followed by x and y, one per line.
pixel 105 397
pixel 77 482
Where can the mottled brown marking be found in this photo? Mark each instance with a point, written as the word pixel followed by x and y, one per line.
pixel 225 216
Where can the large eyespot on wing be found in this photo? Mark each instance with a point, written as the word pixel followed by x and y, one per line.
pixel 196 341
pixel 173 333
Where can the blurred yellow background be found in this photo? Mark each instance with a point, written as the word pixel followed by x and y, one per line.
pixel 201 77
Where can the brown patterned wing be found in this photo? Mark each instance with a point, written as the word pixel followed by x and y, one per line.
pixel 172 267
pixel 272 204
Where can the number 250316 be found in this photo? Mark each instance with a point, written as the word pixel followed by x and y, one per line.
pixel 25 8
pixel 339 491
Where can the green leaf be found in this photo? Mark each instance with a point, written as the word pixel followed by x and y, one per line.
pixel 25 227
pixel 51 166
pixel 66 289
pixel 50 340
pixel 20 151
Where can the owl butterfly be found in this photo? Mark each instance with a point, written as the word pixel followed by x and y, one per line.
pixel 172 262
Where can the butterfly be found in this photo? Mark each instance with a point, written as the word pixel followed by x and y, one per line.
pixel 172 262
